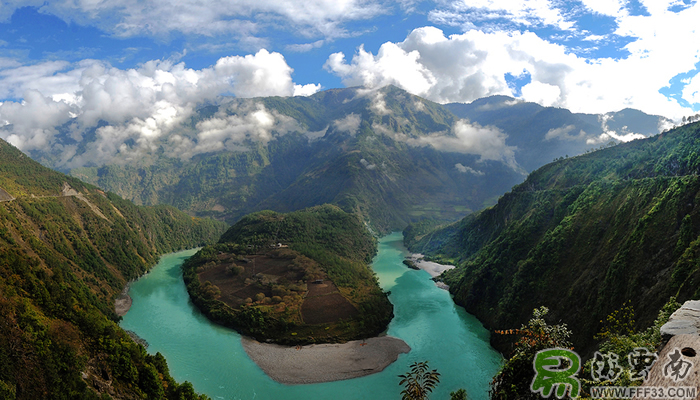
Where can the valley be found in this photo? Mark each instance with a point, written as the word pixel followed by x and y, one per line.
pixel 288 216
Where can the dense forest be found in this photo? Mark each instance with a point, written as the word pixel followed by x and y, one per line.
pixel 66 250
pixel 301 277
pixel 582 236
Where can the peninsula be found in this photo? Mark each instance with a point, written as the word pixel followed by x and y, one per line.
pixel 292 279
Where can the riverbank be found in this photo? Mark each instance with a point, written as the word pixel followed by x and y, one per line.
pixel 432 268
pixel 318 363
pixel 122 303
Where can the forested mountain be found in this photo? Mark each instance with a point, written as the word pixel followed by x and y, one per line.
pixel 296 278
pixel 66 250
pixel 582 236
pixel 392 157
pixel 542 134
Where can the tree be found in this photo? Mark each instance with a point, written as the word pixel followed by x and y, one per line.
pixel 514 379
pixel 461 394
pixel 419 382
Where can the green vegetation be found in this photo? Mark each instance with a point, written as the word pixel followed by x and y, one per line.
pixel 64 256
pixel 617 337
pixel 515 377
pixel 371 171
pixel 419 381
pixel 301 277
pixel 582 236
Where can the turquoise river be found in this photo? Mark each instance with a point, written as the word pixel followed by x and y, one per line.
pixel 212 358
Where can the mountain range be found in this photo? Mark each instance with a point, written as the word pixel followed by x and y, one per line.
pixel 392 157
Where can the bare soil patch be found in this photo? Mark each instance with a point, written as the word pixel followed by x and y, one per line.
pixel 320 289
pixel 322 304
pixel 258 271
pixel 326 309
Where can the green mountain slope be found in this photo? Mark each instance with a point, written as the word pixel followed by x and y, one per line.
pixel 66 250
pixel 582 236
pixel 361 151
pixel 302 277
pixel 392 157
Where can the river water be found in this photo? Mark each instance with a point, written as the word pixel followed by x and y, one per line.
pixel 212 358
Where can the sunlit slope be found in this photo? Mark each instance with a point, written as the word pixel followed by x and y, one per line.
pixel 66 250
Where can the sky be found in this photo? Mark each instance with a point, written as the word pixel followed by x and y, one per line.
pixel 145 65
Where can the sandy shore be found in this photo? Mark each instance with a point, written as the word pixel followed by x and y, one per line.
pixel 122 304
pixel 325 362
pixel 433 268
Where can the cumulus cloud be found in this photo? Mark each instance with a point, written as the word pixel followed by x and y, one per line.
pixel 143 106
pixel 306 90
pixel 489 143
pixel 468 170
pixel 468 66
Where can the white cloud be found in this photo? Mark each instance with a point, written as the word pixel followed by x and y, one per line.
pixel 522 12
pixel 464 169
pixel 609 134
pixel 564 133
pixel 350 123
pixel 488 142
pixel 367 164
pixel 542 93
pixel 378 105
pixel 392 65
pixel 239 18
pixel 234 125
pixel 306 90
pixel 144 105
pixel 465 67
pixel 32 122
pixel 691 92
pixel 612 8
pixel 304 47
pixel 262 74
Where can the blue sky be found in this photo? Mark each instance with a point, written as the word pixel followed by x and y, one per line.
pixel 92 60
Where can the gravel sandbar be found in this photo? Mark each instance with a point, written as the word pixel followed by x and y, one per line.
pixel 433 268
pixel 325 362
